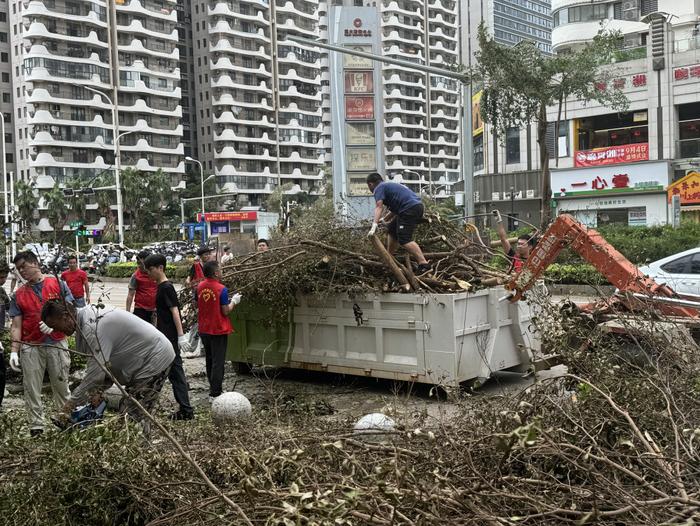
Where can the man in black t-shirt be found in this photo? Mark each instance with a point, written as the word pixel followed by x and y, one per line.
pixel 170 324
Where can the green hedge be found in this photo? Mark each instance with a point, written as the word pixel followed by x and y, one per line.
pixel 574 274
pixel 125 270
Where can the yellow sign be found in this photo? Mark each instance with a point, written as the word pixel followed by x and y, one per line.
pixel 477 123
pixel 687 187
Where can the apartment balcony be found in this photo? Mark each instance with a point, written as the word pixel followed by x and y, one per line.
pixel 154 144
pixel 135 46
pixel 149 28
pixel 446 6
pixel 167 89
pixel 228 135
pixel 66 118
pixel 225 81
pixel 223 45
pixel 155 106
pixel 393 7
pixel 69 160
pixel 143 126
pixel 138 66
pixel 38 30
pixel 87 12
pixel 231 9
pixel 162 10
pixel 223 27
pixel 226 64
pixel 253 152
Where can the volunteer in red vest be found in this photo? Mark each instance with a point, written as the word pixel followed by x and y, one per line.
pixel 214 324
pixel 517 256
pixel 77 281
pixel 142 291
pixel 195 276
pixel 37 348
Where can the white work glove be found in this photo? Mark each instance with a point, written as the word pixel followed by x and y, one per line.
pixel 14 361
pixel 45 329
pixel 183 343
pixel 235 299
pixel 373 230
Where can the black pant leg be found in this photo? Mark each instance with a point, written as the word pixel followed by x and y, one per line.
pixel 145 315
pixel 218 358
pixel 3 373
pixel 179 381
pixel 206 343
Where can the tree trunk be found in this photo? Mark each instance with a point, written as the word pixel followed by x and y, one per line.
pixel 545 209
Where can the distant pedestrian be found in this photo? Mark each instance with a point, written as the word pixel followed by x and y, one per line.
pixel 4 306
pixel 142 291
pixel 35 346
pixel 214 324
pixel 77 281
pixel 263 245
pixel 227 257
pixel 169 322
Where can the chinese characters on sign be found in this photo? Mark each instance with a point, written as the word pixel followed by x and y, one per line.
pixel 228 216
pixel 687 188
pixel 360 133
pixel 686 73
pixel 357 30
pixel 627 153
pixel 355 62
pixel 359 108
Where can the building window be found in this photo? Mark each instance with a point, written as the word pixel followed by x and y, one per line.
pixel 10 158
pixel 479 152
pixel 4 57
pixel 512 145
pixel 3 17
pixel 6 97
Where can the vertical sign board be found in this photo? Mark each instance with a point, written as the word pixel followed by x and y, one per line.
pixel 356 108
pixel 676 204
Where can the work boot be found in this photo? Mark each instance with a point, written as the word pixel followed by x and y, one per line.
pixel 423 268
pixel 182 415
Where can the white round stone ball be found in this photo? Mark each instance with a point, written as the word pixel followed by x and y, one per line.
pixel 374 423
pixel 230 407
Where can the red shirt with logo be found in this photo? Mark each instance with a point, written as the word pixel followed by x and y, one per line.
pixel 76 280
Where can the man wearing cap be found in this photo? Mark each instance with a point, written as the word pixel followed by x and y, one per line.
pixel 196 275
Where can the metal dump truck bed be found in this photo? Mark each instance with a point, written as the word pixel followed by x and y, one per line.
pixel 428 338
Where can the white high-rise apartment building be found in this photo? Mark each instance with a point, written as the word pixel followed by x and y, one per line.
pixel 421 119
pixel 240 67
pixel 65 131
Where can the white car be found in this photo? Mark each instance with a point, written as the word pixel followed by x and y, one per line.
pixel 681 271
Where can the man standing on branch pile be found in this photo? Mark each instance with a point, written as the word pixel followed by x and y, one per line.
pixel 77 281
pixel 405 213
pixel 136 353
pixel 142 291
pixel 196 275
pixel 263 245
pixel 169 322
pixel 517 256
pixel 35 345
pixel 214 324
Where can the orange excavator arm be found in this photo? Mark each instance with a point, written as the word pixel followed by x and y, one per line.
pixel 565 231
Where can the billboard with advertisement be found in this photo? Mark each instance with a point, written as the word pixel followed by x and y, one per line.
pixel 642 177
pixel 357 184
pixel 359 82
pixel 355 62
pixel 228 216
pixel 360 133
pixel 687 188
pixel 477 122
pixel 361 159
pixel 359 108
pixel 626 153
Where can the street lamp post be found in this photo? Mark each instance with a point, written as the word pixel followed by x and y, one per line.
pixel 4 173
pixel 420 184
pixel 117 160
pixel 201 176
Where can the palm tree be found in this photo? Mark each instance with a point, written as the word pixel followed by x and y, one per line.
pixel 57 206
pixel 26 203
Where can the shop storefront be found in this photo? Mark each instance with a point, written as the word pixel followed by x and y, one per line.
pixel 622 194
pixel 688 190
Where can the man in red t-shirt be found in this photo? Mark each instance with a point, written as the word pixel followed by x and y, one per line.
pixel 77 281
pixel 214 324
pixel 142 291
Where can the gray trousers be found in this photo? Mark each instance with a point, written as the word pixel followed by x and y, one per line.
pixel 35 360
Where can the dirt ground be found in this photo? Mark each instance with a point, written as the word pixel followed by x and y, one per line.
pixel 333 396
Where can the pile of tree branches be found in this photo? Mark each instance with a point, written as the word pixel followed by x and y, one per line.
pixel 323 256
pixel 613 441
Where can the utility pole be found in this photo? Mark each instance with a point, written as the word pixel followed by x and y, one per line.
pixel 113 42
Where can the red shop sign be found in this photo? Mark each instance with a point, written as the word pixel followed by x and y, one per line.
pixel 628 153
